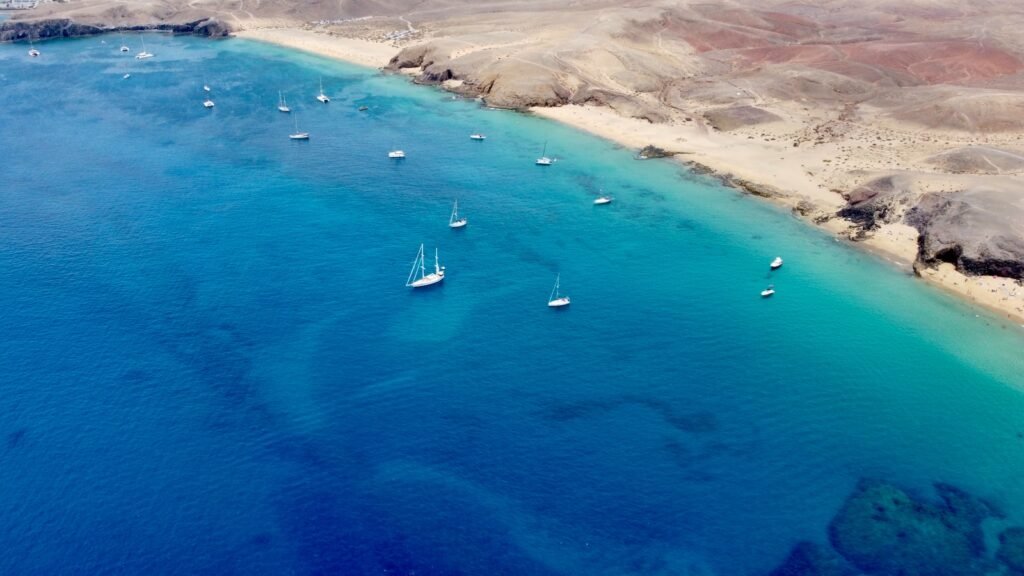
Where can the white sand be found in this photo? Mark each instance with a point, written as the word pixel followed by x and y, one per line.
pixel 354 50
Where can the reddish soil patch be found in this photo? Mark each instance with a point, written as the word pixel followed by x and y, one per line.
pixel 954 62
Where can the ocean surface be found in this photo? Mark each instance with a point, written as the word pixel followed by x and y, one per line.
pixel 210 363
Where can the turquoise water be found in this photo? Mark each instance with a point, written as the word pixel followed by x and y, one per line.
pixel 211 363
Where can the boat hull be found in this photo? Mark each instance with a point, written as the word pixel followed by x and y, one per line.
pixel 459 223
pixel 428 280
pixel 559 302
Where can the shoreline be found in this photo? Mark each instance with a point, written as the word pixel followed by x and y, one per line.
pixel 767 169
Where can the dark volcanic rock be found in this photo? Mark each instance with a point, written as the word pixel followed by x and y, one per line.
pixel 883 530
pixel 65 28
pixel 1011 550
pixel 652 151
pixel 874 203
pixel 809 559
pixel 980 232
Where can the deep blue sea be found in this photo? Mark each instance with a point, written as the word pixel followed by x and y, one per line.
pixel 210 363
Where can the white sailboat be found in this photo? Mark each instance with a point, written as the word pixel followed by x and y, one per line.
pixel 208 102
pixel 455 221
pixel 32 49
pixel 478 137
pixel 298 135
pixel 321 96
pixel 282 104
pixel 602 199
pixel 124 47
pixel 777 263
pixel 424 279
pixel 206 87
pixel 544 160
pixel 556 300
pixel 142 55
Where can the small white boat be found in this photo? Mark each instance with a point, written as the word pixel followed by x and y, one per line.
pixel 126 76
pixel 298 135
pixel 768 291
pixel 32 49
pixel 282 104
pixel 142 55
pixel 477 136
pixel 424 279
pixel 206 87
pixel 208 103
pixel 556 300
pixel 124 47
pixel 321 96
pixel 396 154
pixel 600 200
pixel 544 160
pixel 455 221
pixel 777 263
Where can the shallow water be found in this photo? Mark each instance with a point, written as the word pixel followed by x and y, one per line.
pixel 212 364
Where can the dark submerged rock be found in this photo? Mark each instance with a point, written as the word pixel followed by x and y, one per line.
pixel 1011 550
pixel 809 559
pixel 880 529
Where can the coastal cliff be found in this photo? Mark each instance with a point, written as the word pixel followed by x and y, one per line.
pixel 18 30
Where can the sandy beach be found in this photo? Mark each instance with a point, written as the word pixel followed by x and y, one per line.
pixel 762 157
pixel 352 50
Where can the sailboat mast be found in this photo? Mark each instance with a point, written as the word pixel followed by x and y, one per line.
pixel 437 267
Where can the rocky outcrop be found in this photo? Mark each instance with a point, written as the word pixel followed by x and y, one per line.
pixel 66 28
pixel 980 232
pixel 652 151
pixel 883 530
pixel 809 559
pixel 876 202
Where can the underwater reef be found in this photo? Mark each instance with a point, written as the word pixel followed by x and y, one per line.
pixel 882 530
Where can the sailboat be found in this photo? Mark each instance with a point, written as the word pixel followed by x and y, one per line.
pixel 298 135
pixel 124 47
pixel 208 103
pixel 32 49
pixel 544 160
pixel 142 55
pixel 282 104
pixel 206 87
pixel 602 199
pixel 556 300
pixel 424 279
pixel 454 221
pixel 322 97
